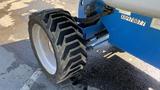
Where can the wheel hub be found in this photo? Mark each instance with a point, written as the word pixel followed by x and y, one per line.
pixel 45 51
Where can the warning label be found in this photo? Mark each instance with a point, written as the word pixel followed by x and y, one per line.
pixel 155 23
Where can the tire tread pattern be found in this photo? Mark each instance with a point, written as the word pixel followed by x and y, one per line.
pixel 68 39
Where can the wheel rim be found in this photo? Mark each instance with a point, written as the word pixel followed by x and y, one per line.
pixel 44 49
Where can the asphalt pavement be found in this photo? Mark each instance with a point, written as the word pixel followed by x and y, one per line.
pixel 19 69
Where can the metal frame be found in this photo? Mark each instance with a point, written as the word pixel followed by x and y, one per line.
pixel 134 33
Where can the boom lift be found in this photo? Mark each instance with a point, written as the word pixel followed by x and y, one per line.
pixel 60 41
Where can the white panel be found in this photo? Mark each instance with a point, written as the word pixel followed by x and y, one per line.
pixel 145 7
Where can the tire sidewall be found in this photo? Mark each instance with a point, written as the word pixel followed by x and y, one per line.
pixel 38 21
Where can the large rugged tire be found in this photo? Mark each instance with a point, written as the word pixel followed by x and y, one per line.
pixel 66 39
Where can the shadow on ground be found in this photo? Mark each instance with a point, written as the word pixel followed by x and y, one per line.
pixel 115 74
pixel 112 74
pixel 23 53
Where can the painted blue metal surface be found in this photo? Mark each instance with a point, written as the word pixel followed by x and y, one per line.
pixel 141 41
pixel 89 32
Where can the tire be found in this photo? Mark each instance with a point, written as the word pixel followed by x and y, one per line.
pixel 66 40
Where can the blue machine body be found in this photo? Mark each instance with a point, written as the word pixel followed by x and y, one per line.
pixel 139 37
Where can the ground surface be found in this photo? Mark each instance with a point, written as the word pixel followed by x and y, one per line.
pixel 19 68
